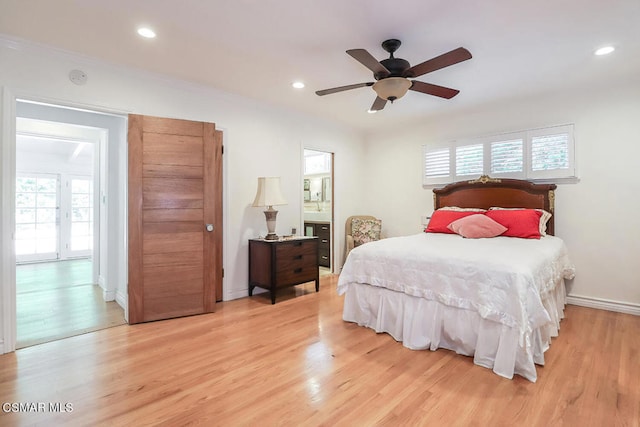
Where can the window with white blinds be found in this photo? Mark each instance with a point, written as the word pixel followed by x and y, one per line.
pixel 437 163
pixel 549 152
pixel 469 160
pixel 536 154
pixel 507 157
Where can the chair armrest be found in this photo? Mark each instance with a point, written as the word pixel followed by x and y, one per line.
pixel 349 245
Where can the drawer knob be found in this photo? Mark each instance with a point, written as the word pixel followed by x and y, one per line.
pixel 297 257
pixel 324 240
pixel 297 270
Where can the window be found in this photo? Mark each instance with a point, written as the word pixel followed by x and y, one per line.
pixel 537 154
pixel 469 160
pixel 54 216
pixel 316 162
pixel 81 216
pixel 436 163
pixel 37 204
pixel 507 157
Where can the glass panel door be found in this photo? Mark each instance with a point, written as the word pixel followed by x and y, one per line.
pixel 37 220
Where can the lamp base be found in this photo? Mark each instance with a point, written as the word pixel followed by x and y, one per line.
pixel 270 214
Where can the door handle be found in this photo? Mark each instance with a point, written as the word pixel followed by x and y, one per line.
pixel 209 227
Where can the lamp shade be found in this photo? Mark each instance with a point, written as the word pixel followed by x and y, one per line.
pixel 392 88
pixel 269 193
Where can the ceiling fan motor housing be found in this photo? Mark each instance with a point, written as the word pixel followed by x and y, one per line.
pixel 396 67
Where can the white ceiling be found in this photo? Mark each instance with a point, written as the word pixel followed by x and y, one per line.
pixel 258 48
pixel 28 146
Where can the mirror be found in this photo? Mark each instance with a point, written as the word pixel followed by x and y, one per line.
pixel 326 189
pixel 315 188
pixel 307 192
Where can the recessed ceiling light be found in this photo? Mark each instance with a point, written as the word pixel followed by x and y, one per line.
pixel 146 32
pixel 605 50
pixel 298 85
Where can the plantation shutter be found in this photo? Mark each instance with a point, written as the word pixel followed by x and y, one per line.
pixel 507 157
pixel 437 168
pixel 551 153
pixel 469 160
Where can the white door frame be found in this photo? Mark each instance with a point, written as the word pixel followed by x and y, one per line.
pixel 7 225
pixel 9 98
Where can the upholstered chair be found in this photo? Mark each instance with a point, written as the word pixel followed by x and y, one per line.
pixel 365 228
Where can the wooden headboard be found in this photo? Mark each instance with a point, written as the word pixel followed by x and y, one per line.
pixel 486 192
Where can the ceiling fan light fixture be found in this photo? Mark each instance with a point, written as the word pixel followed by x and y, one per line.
pixel 604 50
pixel 392 88
pixel 146 32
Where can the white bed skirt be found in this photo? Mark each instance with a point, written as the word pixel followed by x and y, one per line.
pixel 425 324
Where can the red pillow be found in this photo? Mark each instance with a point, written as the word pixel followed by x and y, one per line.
pixel 441 219
pixel 523 223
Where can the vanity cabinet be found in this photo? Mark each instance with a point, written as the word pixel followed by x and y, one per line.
pixel 321 230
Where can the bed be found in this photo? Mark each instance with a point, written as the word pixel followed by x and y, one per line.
pixel 499 300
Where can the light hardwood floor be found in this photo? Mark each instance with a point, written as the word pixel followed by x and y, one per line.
pixel 298 363
pixel 56 300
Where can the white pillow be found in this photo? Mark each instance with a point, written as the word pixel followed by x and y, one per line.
pixel 457 209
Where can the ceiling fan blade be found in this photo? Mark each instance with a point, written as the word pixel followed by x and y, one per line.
pixel 453 57
pixel 342 88
pixel 366 59
pixel 378 104
pixel 429 89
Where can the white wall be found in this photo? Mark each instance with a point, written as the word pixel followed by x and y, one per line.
pixel 259 139
pixel 597 217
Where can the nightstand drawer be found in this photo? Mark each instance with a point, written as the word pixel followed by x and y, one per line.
pixel 295 274
pixel 295 251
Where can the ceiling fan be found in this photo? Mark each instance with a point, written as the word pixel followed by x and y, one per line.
pixel 392 74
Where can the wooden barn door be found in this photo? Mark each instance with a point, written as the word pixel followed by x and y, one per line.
pixel 175 218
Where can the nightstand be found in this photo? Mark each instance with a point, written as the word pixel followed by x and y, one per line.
pixel 277 264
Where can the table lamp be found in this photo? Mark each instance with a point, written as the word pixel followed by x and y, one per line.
pixel 269 195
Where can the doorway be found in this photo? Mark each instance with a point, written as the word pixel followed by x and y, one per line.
pixel 61 222
pixel 318 204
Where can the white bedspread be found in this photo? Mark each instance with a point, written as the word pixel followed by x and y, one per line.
pixel 503 279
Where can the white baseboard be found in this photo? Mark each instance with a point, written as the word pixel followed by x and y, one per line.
pixel 2 347
pixel 238 293
pixel 603 304
pixel 108 295
pixel 121 299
